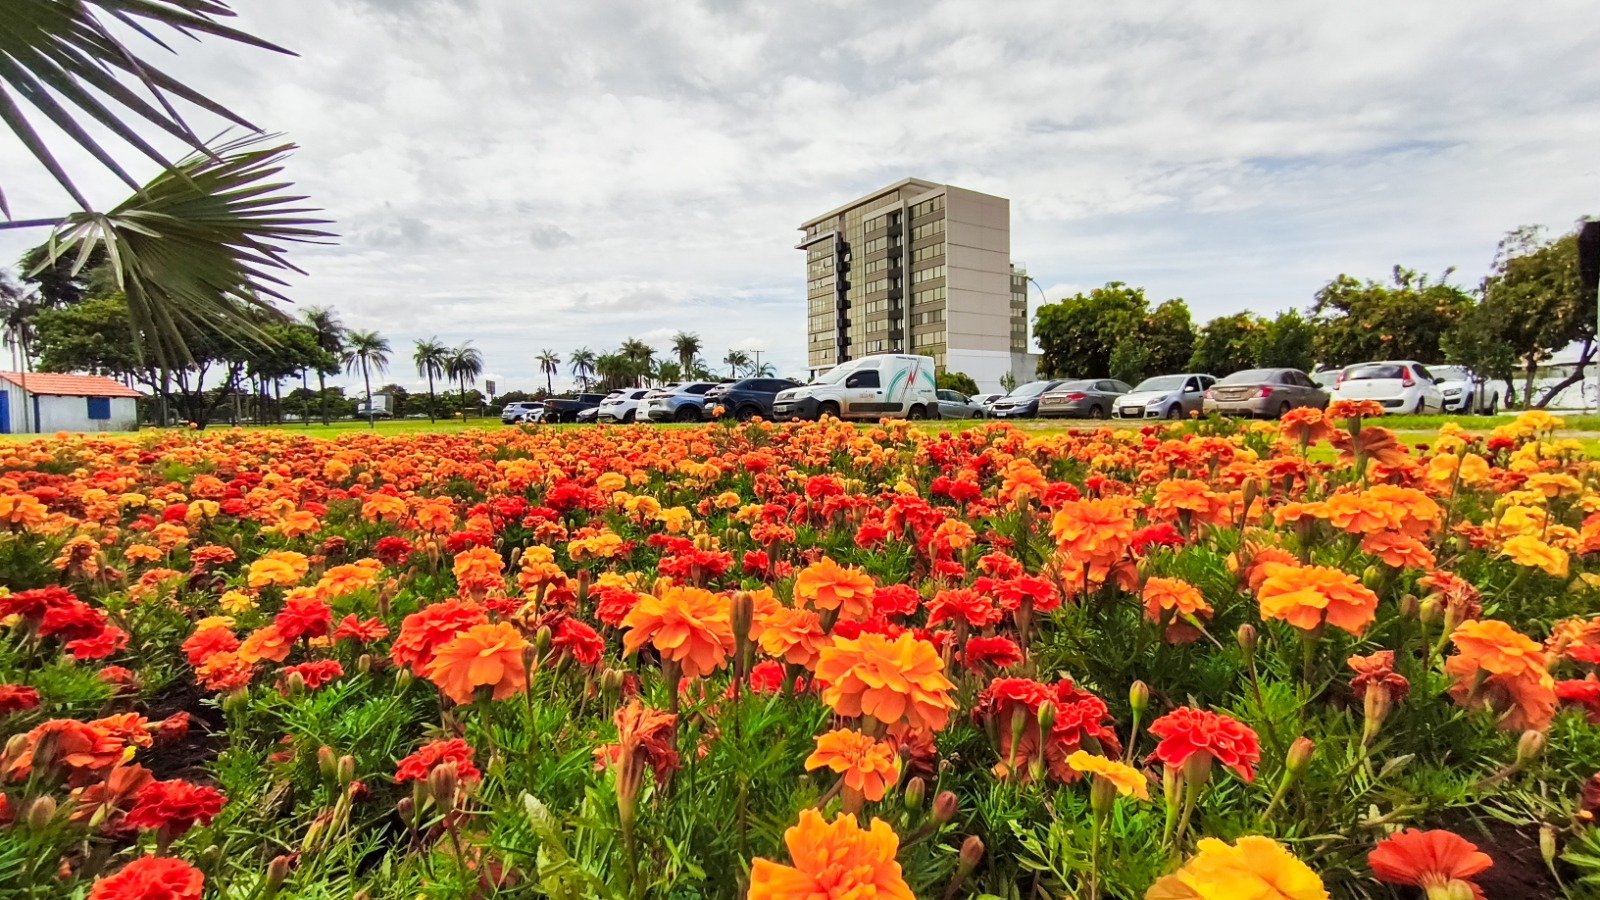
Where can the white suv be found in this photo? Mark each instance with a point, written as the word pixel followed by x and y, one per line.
pixel 1464 393
pixel 621 406
pixel 1402 386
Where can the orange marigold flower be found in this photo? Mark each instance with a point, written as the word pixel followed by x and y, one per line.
pixel 1179 497
pixel 1304 425
pixel 224 671
pixel 689 626
pixel 1095 532
pixel 1399 550
pixel 347 579
pixel 1021 481
pixel 479 571
pixel 892 681
pixel 267 642
pixel 1309 596
pixel 837 859
pixel 424 631
pixel 792 635
pixel 383 508
pixel 161 877
pixel 1435 861
pixel 963 605
pixel 1497 648
pixel 1499 669
pixel 282 568
pixel 828 586
pixel 483 656
pixel 868 766
pixel 1177 603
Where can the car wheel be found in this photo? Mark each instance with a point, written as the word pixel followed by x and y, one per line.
pixel 828 409
pixel 1422 407
pixel 917 414
pixel 1494 406
pixel 746 413
pixel 1283 409
pixel 1096 412
pixel 687 413
pixel 1175 411
pixel 629 417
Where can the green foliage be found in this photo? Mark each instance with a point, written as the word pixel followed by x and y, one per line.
pixel 1357 321
pixel 1289 342
pixel 1079 334
pixel 960 382
pixel 1533 306
pixel 1227 344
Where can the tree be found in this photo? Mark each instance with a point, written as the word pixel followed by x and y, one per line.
pixel 763 370
pixel 1078 333
pixel 736 360
pixel 1227 344
pixel 1537 305
pixel 430 357
pixel 687 346
pixel 398 396
pixel 641 356
pixel 1287 342
pixel 224 205
pixel 1008 382
pixel 330 334
pixel 550 363
pixel 1130 361
pixel 1478 342
pixel 1358 321
pixel 366 352
pixel 957 381
pixel 1165 337
pixel 61 282
pixel 464 364
pixel 668 371
pixel 582 361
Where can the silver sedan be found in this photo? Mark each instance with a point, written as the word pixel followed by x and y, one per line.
pixel 956 405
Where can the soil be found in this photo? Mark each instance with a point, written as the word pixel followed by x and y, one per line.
pixel 187 758
pixel 1519 872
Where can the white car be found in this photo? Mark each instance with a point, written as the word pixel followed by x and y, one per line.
pixel 621 406
pixel 1401 386
pixel 986 401
pixel 1463 393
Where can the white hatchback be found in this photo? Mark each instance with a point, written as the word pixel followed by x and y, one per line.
pixel 1402 386
pixel 621 406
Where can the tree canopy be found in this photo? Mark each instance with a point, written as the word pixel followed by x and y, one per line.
pixel 1080 335
pixel 1405 318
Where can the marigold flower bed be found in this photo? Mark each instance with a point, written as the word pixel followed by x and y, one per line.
pixel 1195 661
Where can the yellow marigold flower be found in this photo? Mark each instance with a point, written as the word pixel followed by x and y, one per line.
pixel 675 519
pixel 236 602
pixel 611 482
pixel 868 766
pixel 837 859
pixel 1527 550
pixel 727 500
pixel 1252 868
pixel 278 567
pixel 1125 778
pixel 604 545
pixel 214 622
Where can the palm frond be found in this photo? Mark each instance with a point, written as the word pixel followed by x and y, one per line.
pixel 59 55
pixel 200 247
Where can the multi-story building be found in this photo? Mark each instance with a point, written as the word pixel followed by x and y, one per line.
pixel 918 267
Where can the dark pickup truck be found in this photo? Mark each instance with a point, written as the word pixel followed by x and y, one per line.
pixel 566 409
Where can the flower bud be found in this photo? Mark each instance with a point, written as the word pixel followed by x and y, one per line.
pixel 583 587
pixel 40 812
pixel 916 792
pixel 1300 753
pixel 1139 697
pixel 278 873
pixel 541 641
pixel 611 682
pixel 945 806
pixel 971 852
pixel 364 664
pixel 295 684
pixel 1248 639
pixel 346 772
pixel 1530 746
pixel 1410 607
pixel 1047 716
pixel 327 763
pixel 1372 577
pixel 442 782
pixel 1547 845
pixel 405 808
pixel 403 679
pixel 1429 610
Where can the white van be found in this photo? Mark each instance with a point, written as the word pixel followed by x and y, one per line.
pixel 871 388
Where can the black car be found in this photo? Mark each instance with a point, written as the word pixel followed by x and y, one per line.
pixel 747 398
pixel 566 409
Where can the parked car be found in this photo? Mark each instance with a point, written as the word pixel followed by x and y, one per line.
pixel 956 405
pixel 521 412
pixel 1166 397
pixel 1264 393
pixel 749 397
pixel 589 416
pixel 1327 379
pixel 685 402
pixel 1400 385
pixel 621 406
pixel 986 400
pixel 566 409
pixel 1463 392
pixel 868 387
pixel 1092 398
pixel 1023 403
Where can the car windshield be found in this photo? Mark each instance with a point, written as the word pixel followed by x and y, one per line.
pixel 838 374
pixel 1031 389
pixel 1162 383
pixel 1374 372
pixel 1249 376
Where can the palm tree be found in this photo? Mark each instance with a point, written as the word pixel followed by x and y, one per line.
pixel 225 205
pixel 430 356
pixel 584 364
pixel 17 308
pixel 464 364
pixel 736 360
pixel 765 370
pixel 668 371
pixel 330 335
pixel 366 352
pixel 642 355
pixel 687 345
pixel 550 363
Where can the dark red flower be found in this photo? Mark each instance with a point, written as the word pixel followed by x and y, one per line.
pixel 17 698
pixel 303 616
pixel 1000 652
pixel 314 674
pixel 579 641
pixel 437 753
pixel 111 639
pixel 174 806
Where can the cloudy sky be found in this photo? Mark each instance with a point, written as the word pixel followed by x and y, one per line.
pixel 553 175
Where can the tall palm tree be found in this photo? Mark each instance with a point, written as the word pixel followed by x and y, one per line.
pixel 366 352
pixel 687 345
pixel 17 308
pixel 642 355
pixel 765 370
pixel 430 356
pixel 464 364
pixel 584 364
pixel 736 360
pixel 551 364
pixel 330 334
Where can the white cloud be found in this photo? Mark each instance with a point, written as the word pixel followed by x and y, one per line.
pixel 561 175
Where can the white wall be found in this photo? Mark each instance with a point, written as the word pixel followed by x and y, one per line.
pixel 66 414
pixel 985 366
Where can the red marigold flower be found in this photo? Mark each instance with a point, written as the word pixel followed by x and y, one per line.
pixel 578 640
pixel 393 549
pixel 963 605
pixel 432 755
pixel 612 603
pixel 172 729
pixel 72 619
pixel 1000 652
pixel 999 565
pixel 17 698
pixel 1161 534
pixel 361 631
pixel 33 604
pixel 174 806
pixel 1429 860
pixel 111 639
pixel 315 674
pixel 1584 693
pixel 303 616
pixel 1377 670
pixel 151 878
pixel 202 644
pixel 895 600
pixel 1187 731
pixel 423 632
